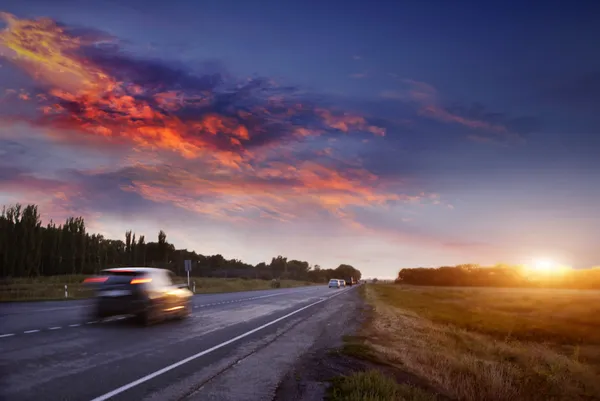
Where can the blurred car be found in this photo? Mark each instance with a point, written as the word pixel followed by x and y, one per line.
pixel 149 294
pixel 342 283
pixel 334 283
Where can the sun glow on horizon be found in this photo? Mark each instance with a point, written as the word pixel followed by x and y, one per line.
pixel 546 267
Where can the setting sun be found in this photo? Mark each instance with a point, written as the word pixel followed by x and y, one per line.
pixel 546 266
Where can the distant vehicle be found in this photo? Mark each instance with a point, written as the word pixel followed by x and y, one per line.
pixel 342 283
pixel 334 283
pixel 149 294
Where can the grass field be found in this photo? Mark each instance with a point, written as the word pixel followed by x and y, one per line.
pixel 374 386
pixel 53 287
pixel 488 344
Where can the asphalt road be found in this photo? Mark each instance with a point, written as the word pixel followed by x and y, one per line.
pixel 50 351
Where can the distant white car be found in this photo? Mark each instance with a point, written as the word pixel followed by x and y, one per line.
pixel 342 283
pixel 334 283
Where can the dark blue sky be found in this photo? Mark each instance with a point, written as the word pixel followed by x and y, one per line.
pixel 490 111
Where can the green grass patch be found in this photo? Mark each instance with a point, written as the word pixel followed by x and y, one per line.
pixel 355 346
pixel 374 386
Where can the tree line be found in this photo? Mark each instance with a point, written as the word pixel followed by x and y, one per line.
pixel 29 249
pixel 472 275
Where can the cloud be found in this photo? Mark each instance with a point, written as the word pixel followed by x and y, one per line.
pixel 239 150
pixel 105 92
pixel 491 127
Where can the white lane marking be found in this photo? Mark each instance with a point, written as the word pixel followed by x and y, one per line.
pixel 92 322
pixel 205 352
pixel 74 325
pixel 7 335
pixel 55 328
pixel 30 331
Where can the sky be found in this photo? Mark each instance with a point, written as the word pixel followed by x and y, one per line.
pixel 381 134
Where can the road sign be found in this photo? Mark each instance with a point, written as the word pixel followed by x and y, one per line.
pixel 188 269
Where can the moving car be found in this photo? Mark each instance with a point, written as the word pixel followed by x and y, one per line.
pixel 149 294
pixel 342 283
pixel 334 283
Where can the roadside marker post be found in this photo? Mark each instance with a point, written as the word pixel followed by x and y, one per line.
pixel 66 292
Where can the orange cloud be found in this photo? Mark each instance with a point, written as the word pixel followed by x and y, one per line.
pixel 280 191
pixel 44 49
pixel 346 122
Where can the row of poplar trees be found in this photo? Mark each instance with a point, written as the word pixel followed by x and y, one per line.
pixel 30 249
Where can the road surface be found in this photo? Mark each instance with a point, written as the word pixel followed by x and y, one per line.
pixel 50 351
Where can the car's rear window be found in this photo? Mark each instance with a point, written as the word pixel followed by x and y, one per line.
pixel 122 277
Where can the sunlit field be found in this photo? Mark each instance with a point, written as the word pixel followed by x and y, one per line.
pixel 53 287
pixel 490 343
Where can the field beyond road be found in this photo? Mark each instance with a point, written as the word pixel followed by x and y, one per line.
pixel 53 287
pixel 488 344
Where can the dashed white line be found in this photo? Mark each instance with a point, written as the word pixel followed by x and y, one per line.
pixel 124 317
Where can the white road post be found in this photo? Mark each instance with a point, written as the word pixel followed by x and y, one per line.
pixel 66 292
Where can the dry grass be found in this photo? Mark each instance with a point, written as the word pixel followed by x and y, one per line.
pixel 53 287
pixel 490 344
pixel 374 386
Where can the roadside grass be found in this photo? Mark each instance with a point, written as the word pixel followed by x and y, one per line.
pixel 374 386
pixel 479 344
pixel 53 287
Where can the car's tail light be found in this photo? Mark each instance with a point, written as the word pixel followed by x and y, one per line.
pixel 140 280
pixel 95 279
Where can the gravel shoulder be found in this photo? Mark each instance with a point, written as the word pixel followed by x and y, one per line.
pixel 308 378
